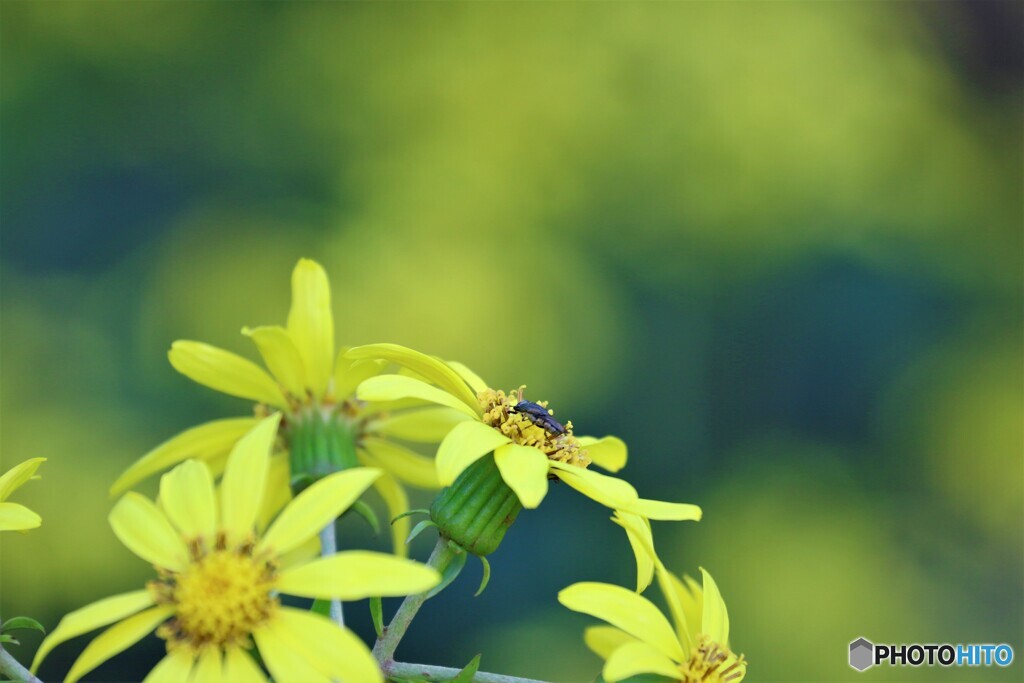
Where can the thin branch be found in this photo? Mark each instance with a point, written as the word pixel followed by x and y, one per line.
pixel 13 670
pixel 329 546
pixel 443 673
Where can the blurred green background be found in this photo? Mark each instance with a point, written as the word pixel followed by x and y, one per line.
pixel 775 247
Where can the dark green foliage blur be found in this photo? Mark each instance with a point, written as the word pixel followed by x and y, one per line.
pixel 775 247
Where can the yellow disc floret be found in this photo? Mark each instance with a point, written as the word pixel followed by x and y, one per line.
pixel 712 663
pixel 498 413
pixel 218 600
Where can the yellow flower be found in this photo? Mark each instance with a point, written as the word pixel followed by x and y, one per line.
pixel 14 517
pixel 641 640
pixel 315 392
pixel 527 454
pixel 218 580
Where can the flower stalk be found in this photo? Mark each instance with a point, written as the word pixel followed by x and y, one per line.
pixel 425 672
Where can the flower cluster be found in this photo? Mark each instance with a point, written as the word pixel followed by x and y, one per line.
pixel 247 507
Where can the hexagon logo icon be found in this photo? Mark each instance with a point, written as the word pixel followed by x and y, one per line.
pixel 862 654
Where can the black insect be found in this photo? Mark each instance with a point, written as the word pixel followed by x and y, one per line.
pixel 538 415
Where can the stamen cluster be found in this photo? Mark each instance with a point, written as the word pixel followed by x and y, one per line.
pixel 498 413
pixel 704 665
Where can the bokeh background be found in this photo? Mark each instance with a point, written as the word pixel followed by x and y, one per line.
pixel 776 247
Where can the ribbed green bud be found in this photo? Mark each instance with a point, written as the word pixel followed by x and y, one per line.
pixel 320 444
pixel 477 509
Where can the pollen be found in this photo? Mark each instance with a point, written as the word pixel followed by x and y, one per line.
pixel 522 430
pixel 712 663
pixel 218 600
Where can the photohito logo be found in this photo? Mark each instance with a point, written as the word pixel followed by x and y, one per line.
pixel 864 654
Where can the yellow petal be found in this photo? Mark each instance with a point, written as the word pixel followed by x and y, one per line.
pixel 621 607
pixel 278 492
pixel 471 378
pixel 335 652
pixel 604 640
pixel 116 639
pixel 14 517
pixel 204 442
pixel 396 387
pixel 637 658
pixel 464 445
pixel 85 619
pixel 410 467
pixel 311 323
pixel 433 369
pixel 225 372
pixel 642 542
pixel 358 574
pixel 209 668
pixel 186 496
pixel 315 508
pixel 306 552
pixel 245 478
pixel 525 470
pixel 689 600
pixel 175 667
pixel 608 452
pixel 18 475
pixel 715 622
pixel 146 531
pixel 285 663
pixel 657 509
pixel 349 374
pixel 281 356
pixel 397 502
pixel 427 425
pixel 239 667
pixel 609 491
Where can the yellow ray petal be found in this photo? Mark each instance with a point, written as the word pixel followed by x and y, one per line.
pixel 244 484
pixel 397 387
pixel 306 552
pixel 410 467
pixel 175 667
pixel 427 425
pixel 471 378
pixel 285 664
pixel 335 652
pixel 637 658
pixel 464 445
pixel 608 452
pixel 281 356
pixel 315 508
pixel 604 640
pixel 638 532
pixel 18 475
pixel 397 502
pixel 715 621
pixel 209 668
pixel 239 667
pixel 525 470
pixel 14 517
pixel 609 491
pixel 85 619
pixel 225 372
pixel 146 531
pixel 660 510
pixel 358 574
pixel 349 374
pixel 621 607
pixel 311 323
pixel 186 496
pixel 116 639
pixel 203 442
pixel 278 491
pixel 431 368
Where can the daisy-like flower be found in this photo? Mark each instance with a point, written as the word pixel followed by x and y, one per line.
pixel 530 447
pixel 324 427
pixel 641 640
pixel 218 586
pixel 14 517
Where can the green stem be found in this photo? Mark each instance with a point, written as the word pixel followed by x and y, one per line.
pixel 13 670
pixel 329 546
pixel 442 673
pixel 387 643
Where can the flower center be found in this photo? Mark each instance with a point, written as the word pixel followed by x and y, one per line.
pixel 218 600
pixel 531 427
pixel 712 663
